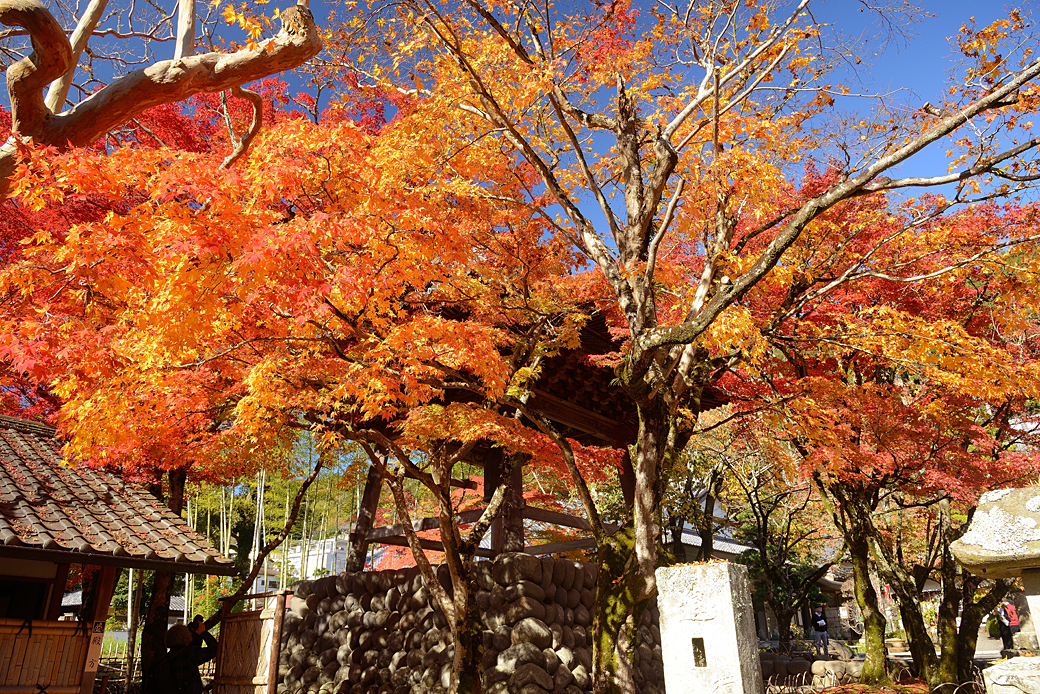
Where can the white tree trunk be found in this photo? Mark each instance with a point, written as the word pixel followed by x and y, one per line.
pixel 59 89
pixel 185 30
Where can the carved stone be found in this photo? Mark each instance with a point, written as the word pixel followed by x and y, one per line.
pixel 708 636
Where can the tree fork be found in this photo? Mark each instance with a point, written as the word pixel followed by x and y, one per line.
pixel 124 98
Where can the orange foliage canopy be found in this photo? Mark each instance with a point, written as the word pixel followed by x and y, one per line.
pixel 342 277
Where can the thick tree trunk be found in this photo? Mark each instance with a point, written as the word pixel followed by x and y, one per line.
pixel 922 648
pixel 950 603
pixel 973 613
pixel 620 595
pixel 153 637
pixel 784 614
pixel 907 591
pixel 628 559
pixel 874 622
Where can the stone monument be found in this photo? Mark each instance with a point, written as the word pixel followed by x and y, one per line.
pixel 1003 541
pixel 708 639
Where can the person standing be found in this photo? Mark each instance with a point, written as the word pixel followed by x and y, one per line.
pixel 190 646
pixel 820 640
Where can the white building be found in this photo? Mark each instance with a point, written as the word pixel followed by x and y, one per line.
pixel 317 557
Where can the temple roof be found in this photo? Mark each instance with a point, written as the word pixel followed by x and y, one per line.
pixel 82 515
pixel 580 394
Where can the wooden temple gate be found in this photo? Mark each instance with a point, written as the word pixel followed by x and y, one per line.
pixel 578 397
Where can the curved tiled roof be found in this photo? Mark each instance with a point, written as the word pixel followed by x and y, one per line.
pixel 84 515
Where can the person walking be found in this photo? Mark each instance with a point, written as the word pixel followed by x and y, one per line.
pixel 820 640
pixel 1006 614
pixel 1013 619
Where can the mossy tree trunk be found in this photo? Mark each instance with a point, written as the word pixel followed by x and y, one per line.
pixel 851 507
pixel 619 589
pixel 907 589
pixel 973 613
pixel 953 664
pixel 629 559
pixel 874 622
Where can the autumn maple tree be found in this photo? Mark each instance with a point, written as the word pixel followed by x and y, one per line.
pixel 354 281
pixel 333 281
pixel 684 128
pixel 916 379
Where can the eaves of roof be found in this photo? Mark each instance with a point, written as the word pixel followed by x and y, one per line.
pixel 83 515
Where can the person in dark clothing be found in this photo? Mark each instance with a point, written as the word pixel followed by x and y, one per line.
pixel 190 646
pixel 820 640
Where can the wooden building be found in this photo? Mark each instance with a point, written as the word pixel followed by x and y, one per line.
pixel 53 516
pixel 575 392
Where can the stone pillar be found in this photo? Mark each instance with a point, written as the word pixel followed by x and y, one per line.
pixel 708 636
pixel 1031 587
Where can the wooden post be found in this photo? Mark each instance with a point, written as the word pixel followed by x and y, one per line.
pixel 105 586
pixel 513 508
pixel 276 642
pixel 627 479
pixel 57 591
pixel 369 503
pixel 492 472
pixel 493 464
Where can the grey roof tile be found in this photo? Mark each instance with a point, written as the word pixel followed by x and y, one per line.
pixel 87 514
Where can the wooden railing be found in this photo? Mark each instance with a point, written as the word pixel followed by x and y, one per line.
pixel 40 654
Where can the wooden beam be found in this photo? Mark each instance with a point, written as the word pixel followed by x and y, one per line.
pixel 557 547
pixel 544 515
pixel 611 432
pixel 455 482
pixel 434 545
pixel 463 518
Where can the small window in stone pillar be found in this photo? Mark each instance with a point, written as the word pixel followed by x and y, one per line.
pixel 699 659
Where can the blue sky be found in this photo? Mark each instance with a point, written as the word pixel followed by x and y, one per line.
pixel 918 69
pixel 913 68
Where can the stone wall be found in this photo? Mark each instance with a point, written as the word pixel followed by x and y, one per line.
pixel 379 632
